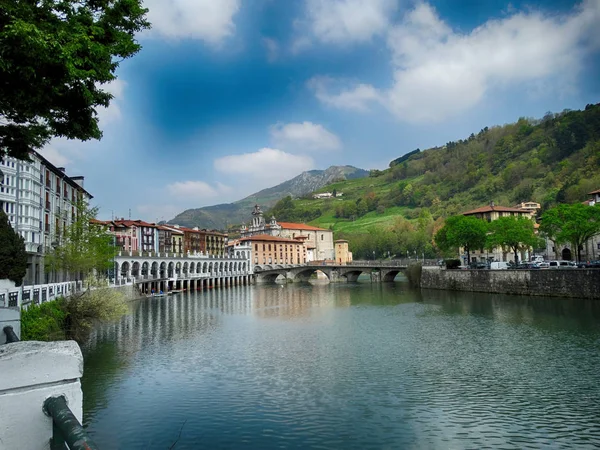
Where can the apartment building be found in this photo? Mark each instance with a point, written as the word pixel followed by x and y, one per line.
pixel 39 200
pixel 268 249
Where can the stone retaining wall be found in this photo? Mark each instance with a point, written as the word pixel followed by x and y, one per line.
pixel 572 283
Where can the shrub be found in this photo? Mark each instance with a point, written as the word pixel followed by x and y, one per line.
pixel 44 322
pixel 92 306
pixel 452 263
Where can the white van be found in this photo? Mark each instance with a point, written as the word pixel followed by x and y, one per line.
pixel 562 265
pixel 499 265
pixel 537 258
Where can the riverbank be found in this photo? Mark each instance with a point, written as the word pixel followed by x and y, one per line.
pixel 570 283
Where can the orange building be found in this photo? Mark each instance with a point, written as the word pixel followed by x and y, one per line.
pixel 276 250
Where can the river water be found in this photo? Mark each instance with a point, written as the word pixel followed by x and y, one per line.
pixel 346 366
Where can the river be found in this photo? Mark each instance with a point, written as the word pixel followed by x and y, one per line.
pixel 349 366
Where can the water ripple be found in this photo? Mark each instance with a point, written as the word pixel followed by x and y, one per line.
pixel 345 367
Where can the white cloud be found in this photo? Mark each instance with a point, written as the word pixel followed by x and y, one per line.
pixel 343 21
pixel 208 20
pixel 113 112
pixel 197 189
pixel 268 165
pixel 55 156
pixel 439 72
pixel 356 97
pixel 305 136
pixel 272 49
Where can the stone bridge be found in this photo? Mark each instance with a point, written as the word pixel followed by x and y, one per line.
pixel 268 273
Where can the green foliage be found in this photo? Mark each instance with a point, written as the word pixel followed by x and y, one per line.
pixel 452 263
pixel 13 258
pixel 101 304
pixel 56 57
pixel 404 157
pixel 574 223
pixel 75 316
pixel 84 246
pixel 516 233
pixel 467 232
pixel 285 210
pixel 44 322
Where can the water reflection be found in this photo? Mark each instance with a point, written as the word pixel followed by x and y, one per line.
pixel 346 366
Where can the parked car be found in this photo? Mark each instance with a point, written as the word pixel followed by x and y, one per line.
pixel 499 265
pixel 562 264
pixel 479 265
pixel 590 264
pixel 544 265
pixel 528 266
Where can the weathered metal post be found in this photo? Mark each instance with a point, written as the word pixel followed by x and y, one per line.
pixel 10 335
pixel 66 427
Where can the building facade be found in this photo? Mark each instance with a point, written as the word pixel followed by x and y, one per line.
pixel 268 249
pixel 318 241
pixel 589 252
pixel 490 213
pixel 343 255
pixel 39 200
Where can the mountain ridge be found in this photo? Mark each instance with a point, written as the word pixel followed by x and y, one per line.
pixel 221 216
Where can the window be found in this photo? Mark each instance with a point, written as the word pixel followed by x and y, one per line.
pixel 322 236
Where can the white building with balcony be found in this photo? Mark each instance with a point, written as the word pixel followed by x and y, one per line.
pixel 38 199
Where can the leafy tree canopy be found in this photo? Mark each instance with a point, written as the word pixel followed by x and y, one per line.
pixel 13 258
pixel 574 223
pixel 462 231
pixel 516 233
pixel 56 55
pixel 84 246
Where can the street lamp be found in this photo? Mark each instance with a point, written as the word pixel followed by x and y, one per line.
pixel 373 255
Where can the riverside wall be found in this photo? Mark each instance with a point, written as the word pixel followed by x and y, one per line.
pixel 571 283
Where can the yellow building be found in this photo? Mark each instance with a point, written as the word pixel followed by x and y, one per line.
pixel 343 256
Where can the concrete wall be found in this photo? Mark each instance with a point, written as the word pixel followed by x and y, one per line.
pixel 32 372
pixel 573 283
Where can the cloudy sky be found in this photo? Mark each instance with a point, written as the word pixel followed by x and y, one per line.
pixel 231 96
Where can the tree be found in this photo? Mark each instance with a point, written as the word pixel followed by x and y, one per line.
pixel 462 231
pixel 56 57
pixel 516 233
pixel 85 246
pixel 574 223
pixel 13 258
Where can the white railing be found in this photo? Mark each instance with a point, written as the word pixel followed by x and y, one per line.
pixel 24 296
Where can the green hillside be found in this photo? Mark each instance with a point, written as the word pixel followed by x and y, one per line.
pixel 552 160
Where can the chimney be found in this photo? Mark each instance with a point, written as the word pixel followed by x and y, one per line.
pixel 62 169
pixel 492 203
pixel 78 180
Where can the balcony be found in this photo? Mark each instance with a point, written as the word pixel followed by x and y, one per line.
pixel 47 227
pixel 48 205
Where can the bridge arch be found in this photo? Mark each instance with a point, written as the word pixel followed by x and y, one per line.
pixel 163 270
pixel 191 268
pixel 390 275
pixel 154 269
pixel 170 270
pixel 145 267
pixel 125 267
pixel 304 275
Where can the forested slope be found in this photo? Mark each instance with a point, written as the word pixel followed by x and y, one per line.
pixel 551 160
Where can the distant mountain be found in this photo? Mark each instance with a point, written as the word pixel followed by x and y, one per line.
pixel 223 215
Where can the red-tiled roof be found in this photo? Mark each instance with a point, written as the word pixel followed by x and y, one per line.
pixel 266 237
pixel 100 222
pixel 299 226
pixel 489 208
pixel 594 192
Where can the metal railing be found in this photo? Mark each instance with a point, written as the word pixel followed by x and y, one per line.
pixel 66 429
pixel 10 335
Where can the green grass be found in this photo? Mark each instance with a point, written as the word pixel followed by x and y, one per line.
pixel 362 224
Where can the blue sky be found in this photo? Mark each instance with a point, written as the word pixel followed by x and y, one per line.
pixel 232 96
